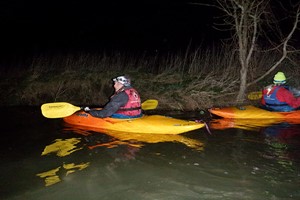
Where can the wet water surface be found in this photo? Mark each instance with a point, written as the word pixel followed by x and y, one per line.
pixel 47 159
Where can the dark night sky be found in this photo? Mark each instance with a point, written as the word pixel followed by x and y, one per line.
pixel 166 25
pixel 79 24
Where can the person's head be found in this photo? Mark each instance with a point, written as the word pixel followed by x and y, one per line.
pixel 279 78
pixel 120 82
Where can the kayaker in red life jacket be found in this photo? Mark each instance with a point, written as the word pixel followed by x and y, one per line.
pixel 279 97
pixel 124 103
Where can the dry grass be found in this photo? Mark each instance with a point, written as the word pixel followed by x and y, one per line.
pixel 187 81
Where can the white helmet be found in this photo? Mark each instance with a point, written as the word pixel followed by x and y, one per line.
pixel 123 80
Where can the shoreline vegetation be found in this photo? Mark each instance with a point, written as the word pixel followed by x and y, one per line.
pixel 186 81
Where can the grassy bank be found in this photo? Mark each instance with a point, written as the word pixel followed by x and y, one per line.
pixel 182 81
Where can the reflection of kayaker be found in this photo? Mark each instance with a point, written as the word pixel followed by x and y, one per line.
pixel 282 138
pixel 279 97
pixel 284 132
pixel 119 150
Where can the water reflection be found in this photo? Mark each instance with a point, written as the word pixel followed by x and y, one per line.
pixel 62 148
pixel 133 139
pixel 232 163
pixel 281 139
pixel 284 132
pixel 245 124
pixel 249 124
pixel 122 147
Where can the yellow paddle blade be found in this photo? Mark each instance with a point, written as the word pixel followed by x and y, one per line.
pixel 58 109
pixel 149 104
pixel 255 95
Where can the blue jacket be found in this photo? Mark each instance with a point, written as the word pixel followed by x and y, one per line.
pixel 272 102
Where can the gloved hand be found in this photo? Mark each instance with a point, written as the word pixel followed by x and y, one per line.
pixel 86 109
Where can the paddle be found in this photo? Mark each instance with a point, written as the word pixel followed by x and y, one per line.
pixel 149 104
pixel 64 109
pixel 255 95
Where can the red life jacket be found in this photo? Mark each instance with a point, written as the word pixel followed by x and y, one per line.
pixel 133 106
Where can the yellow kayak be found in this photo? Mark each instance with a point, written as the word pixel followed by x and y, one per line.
pixel 153 124
pixel 252 112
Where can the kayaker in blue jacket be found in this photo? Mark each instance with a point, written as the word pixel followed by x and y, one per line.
pixel 124 103
pixel 280 97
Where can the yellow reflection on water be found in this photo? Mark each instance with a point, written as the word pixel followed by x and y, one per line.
pixel 245 124
pixel 62 147
pixel 51 176
pixel 134 141
pixel 71 167
pixel 137 139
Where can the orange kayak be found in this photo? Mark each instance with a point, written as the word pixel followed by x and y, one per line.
pixel 252 112
pixel 153 124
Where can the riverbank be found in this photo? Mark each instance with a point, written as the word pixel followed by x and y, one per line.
pixel 188 81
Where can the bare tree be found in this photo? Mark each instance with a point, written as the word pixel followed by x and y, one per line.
pixel 246 19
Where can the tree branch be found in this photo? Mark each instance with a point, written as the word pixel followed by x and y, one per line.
pixel 284 50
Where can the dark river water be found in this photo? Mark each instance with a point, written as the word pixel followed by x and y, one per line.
pixel 46 159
